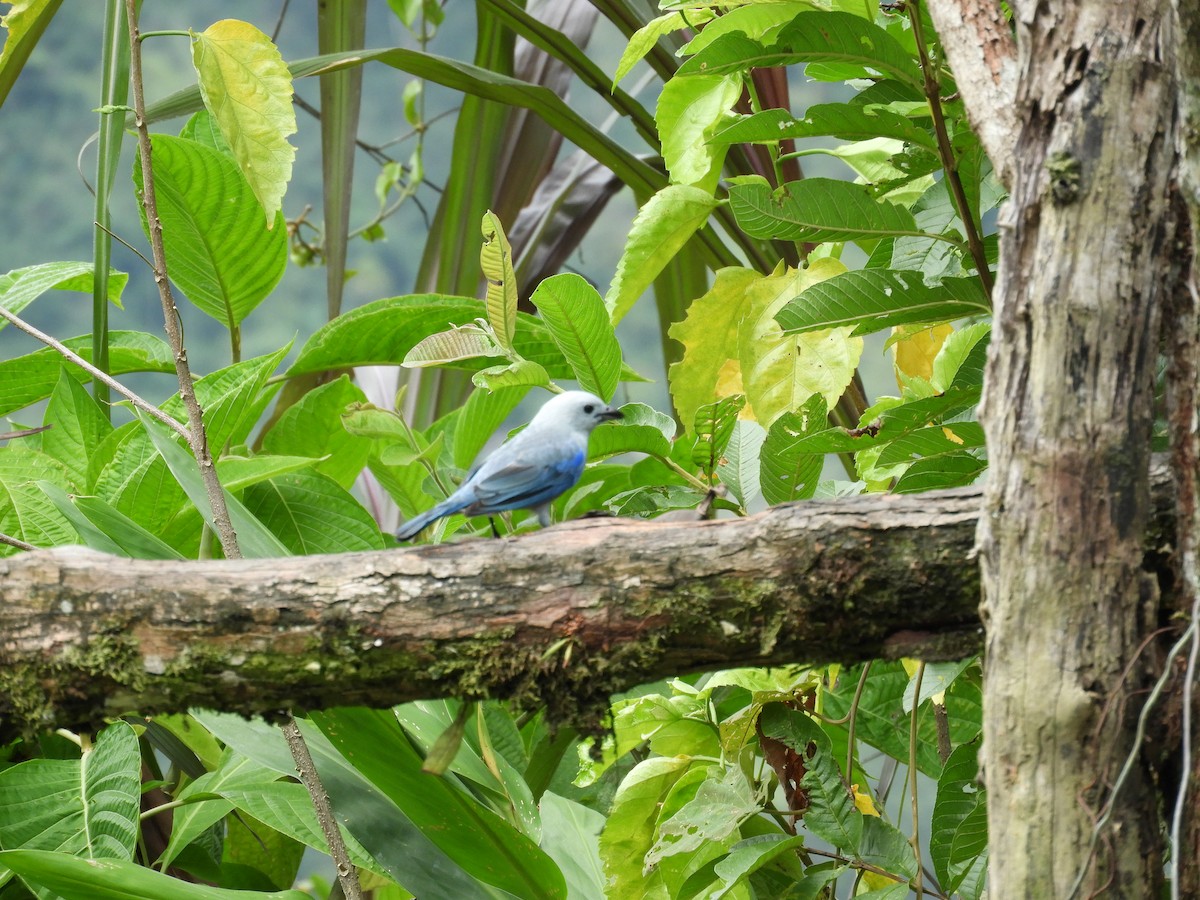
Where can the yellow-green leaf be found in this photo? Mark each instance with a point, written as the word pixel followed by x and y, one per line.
pixel 248 89
pixel 464 342
pixel 709 338
pixel 689 112
pixel 495 258
pixel 25 22
pixel 780 372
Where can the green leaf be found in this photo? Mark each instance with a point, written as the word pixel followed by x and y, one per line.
pixel 495 259
pixel 788 470
pixel 714 427
pixel 936 440
pixel 629 832
pixel 81 879
pixel 689 112
pixel 20 287
pixel 659 231
pixel 840 120
pixel 311 513
pixel 815 209
pixel 709 336
pixel 232 399
pixel 459 343
pixel 105 529
pixel 570 836
pixel 843 38
pixel 248 89
pixel 935 473
pixel 86 807
pixel 885 846
pixel 958 828
pixel 478 420
pixel 739 468
pixel 748 856
pixel 25 23
pixel 314 427
pixel 78 426
pixel 386 832
pixel 780 372
pixel 32 377
pixel 831 814
pixel 580 326
pixel 239 472
pixel 522 373
pixel 477 839
pixel 960 361
pixel 628 437
pixel 219 252
pixel 643 40
pixel 383 332
pixel 874 299
pixel 935 680
pixel 25 510
pixel 254 538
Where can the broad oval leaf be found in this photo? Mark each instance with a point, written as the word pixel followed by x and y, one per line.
pixel 660 229
pixel 840 120
pixel 789 471
pixel 311 513
pixel 248 89
pixel 816 209
pixel 580 326
pixel 219 252
pixel 688 114
pixel 874 299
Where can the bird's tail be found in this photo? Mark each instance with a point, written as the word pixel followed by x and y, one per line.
pixel 409 529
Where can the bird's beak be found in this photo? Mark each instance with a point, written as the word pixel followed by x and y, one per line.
pixel 611 413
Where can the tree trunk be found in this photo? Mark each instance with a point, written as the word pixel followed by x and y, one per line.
pixel 1068 411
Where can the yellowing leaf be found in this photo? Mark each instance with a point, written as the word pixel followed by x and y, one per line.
pixel 709 338
pixel 877 882
pixel 916 349
pixel 782 371
pixel 495 258
pixel 951 436
pixel 910 666
pixel 247 88
pixel 864 802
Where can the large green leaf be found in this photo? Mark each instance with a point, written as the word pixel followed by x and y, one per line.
pixel 105 529
pixel 311 513
pixel 383 332
pixel 688 113
pixel 579 324
pixel 86 807
pixel 475 837
pixel 219 250
pixel 70 878
pixel 874 299
pixel 816 209
pixel 936 440
pixel 478 420
pixel 958 828
pixel 25 510
pixel 840 120
pixel 660 229
pixel 20 287
pixel 386 832
pixel 789 471
pixel 947 470
pixel 248 89
pixel 313 427
pixel 24 22
pixel 738 469
pixel 713 428
pixel 32 377
pixel 254 538
pixel 570 835
pixel 78 426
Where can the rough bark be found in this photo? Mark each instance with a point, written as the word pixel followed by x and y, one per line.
pixel 1184 401
pixel 563 617
pixel 1068 411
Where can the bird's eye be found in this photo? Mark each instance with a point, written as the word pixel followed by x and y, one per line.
pixel 589 409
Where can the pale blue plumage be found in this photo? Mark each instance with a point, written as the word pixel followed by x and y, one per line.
pixel 530 470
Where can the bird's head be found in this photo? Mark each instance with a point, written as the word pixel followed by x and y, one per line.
pixel 577 410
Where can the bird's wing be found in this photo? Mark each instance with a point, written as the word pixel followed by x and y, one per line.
pixel 525 482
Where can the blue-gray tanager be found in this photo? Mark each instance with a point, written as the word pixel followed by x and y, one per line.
pixel 531 469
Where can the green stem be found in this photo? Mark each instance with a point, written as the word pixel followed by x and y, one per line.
pixel 683 473
pixel 915 840
pixel 946 152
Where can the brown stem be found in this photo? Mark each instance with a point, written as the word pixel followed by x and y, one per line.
pixel 946 152
pixel 16 542
pixel 197 440
pixel 347 874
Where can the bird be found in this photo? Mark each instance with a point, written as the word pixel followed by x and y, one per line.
pixel 530 469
